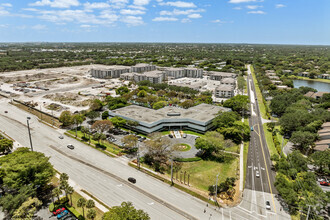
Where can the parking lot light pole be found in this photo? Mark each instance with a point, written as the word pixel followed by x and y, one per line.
pixel 28 118
pixel 172 171
pixel 216 187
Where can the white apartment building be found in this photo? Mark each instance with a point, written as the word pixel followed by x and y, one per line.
pixel 228 81
pixel 224 91
pixel 218 76
pixel 142 67
pixel 109 72
pixel 193 73
pixel 175 73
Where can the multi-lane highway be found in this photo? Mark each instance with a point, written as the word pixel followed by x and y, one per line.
pixel 106 178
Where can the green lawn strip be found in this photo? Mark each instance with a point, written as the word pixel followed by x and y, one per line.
pixel 192 159
pixel 245 157
pixel 175 185
pixel 279 136
pixel 269 140
pixel 306 78
pixel 193 133
pixel 259 95
pixel 96 199
pixel 109 146
pixel 234 149
pixel 165 132
pixel 110 154
pixel 187 147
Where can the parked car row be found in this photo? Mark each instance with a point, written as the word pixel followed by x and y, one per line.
pixel 64 214
pixel 324 181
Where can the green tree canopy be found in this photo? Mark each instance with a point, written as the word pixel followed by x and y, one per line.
pixel 122 90
pixel 96 105
pixel 66 118
pixel 125 211
pixel 24 167
pixel 238 103
pixel 225 119
pixel 211 142
pixel 118 121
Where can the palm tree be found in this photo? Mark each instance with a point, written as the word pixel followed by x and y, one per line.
pixel 90 204
pixel 83 130
pixel 70 191
pixel 57 191
pixel 82 203
pixel 91 214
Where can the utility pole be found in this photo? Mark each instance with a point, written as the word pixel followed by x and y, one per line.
pixel 28 118
pixel 172 171
pixel 309 207
pixel 216 188
pixel 75 123
pixel 138 155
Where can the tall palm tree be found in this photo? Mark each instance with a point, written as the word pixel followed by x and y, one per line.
pixel 90 204
pixel 70 191
pixel 57 191
pixel 82 203
pixel 91 214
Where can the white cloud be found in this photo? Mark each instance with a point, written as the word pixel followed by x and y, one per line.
pixel 141 2
pixel 118 3
pixel 3 12
pixel 56 3
pixel 132 12
pixel 132 20
pixel 243 1
pixel 30 9
pixel 6 5
pixel 185 20
pixel 96 5
pixel 194 16
pixel 86 26
pixel 139 7
pixel 280 6
pixel 179 4
pixel 164 19
pixel 257 12
pixel 216 21
pixel 39 27
pixel 3 25
pixel 238 8
pixel 181 12
pixel 252 7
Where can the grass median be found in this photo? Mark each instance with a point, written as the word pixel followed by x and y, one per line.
pixel 259 95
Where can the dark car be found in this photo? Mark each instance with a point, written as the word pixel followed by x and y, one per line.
pixel 132 180
pixel 171 136
pixel 184 135
pixel 70 146
pixel 267 205
pixel 6 111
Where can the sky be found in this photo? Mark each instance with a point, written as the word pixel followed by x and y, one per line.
pixel 183 21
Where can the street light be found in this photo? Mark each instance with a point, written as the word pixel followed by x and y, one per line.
pixel 28 118
pixel 216 188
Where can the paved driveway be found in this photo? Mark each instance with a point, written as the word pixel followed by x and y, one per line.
pixel 190 140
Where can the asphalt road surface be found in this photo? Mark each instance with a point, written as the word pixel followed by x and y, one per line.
pixel 106 178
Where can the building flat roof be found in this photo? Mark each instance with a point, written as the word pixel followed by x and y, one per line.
pixel 111 68
pixel 202 113
pixel 225 87
pixel 142 65
pixel 214 73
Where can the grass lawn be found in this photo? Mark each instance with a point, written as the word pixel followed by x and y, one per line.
pixel 182 147
pixel 269 140
pixel 75 197
pixel 110 147
pixel 193 133
pixel 245 157
pixel 279 136
pixel 259 95
pixel 165 132
pixel 234 149
pixel 203 173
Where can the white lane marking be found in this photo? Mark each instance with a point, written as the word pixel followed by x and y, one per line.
pixel 262 187
pixel 120 185
pixel 150 203
pixel 249 166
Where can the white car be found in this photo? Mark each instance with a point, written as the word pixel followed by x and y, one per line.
pixel 257 174
pixel 61 137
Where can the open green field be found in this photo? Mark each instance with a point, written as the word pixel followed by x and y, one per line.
pixel 259 95
pixel 109 147
pixel 203 173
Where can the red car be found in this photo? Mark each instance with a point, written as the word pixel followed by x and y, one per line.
pixel 58 211
pixel 324 183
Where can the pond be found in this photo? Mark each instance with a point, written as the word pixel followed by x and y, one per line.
pixel 319 86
